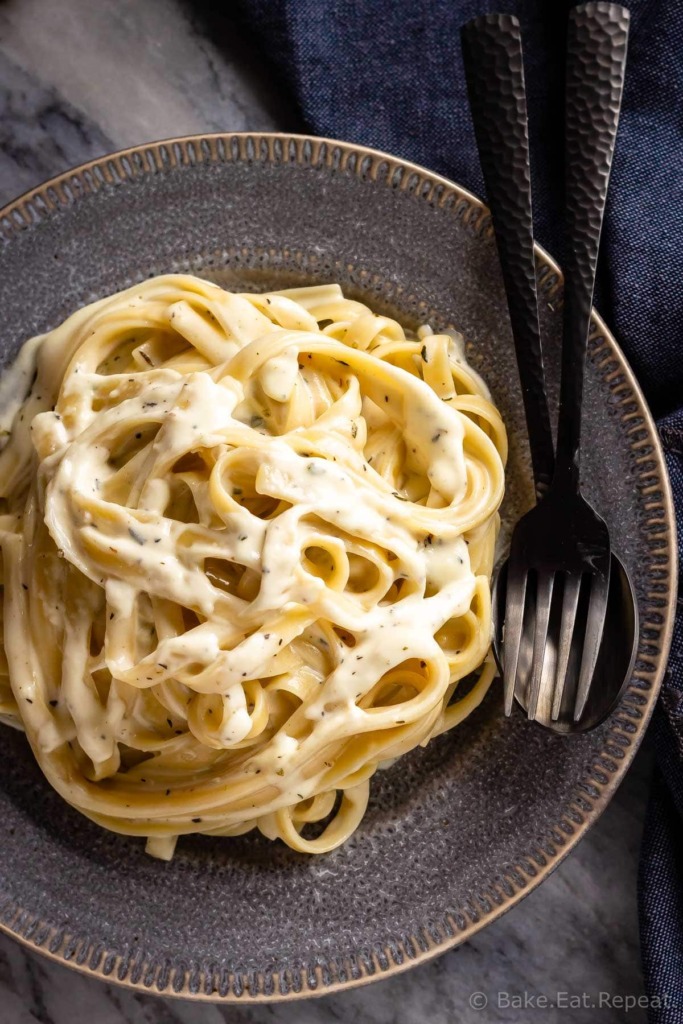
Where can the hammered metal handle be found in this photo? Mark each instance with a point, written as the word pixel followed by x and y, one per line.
pixel 492 53
pixel 596 60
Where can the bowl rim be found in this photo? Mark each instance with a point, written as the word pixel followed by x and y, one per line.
pixel 601 779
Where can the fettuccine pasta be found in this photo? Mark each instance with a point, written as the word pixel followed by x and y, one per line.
pixel 246 550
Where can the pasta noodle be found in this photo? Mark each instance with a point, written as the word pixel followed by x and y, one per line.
pixel 246 550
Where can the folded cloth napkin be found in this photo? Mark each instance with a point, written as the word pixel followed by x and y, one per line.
pixel 388 73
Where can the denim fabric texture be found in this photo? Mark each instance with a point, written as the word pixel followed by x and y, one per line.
pixel 388 74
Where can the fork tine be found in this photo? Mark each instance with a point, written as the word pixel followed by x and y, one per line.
pixel 595 621
pixel 514 619
pixel 544 597
pixel 570 601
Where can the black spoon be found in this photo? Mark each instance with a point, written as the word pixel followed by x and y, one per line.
pixel 492 53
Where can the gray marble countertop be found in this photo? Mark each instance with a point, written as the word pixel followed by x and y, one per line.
pixel 78 79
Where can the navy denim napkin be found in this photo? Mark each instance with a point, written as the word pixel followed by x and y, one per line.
pixel 388 73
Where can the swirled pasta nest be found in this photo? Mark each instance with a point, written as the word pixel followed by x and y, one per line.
pixel 246 546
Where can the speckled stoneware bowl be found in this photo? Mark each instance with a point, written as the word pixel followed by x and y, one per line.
pixel 455 834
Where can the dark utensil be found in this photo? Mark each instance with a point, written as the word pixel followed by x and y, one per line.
pixel 492 51
pixel 552 648
pixel 613 668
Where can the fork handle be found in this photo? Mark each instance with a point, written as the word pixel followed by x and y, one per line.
pixel 596 59
pixel 492 53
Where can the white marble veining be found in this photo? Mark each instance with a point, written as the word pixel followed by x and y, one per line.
pixel 79 78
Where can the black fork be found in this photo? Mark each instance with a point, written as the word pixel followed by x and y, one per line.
pixel 562 545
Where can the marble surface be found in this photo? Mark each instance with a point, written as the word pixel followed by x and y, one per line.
pixel 77 79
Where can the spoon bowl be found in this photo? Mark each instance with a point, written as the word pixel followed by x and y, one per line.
pixel 613 668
